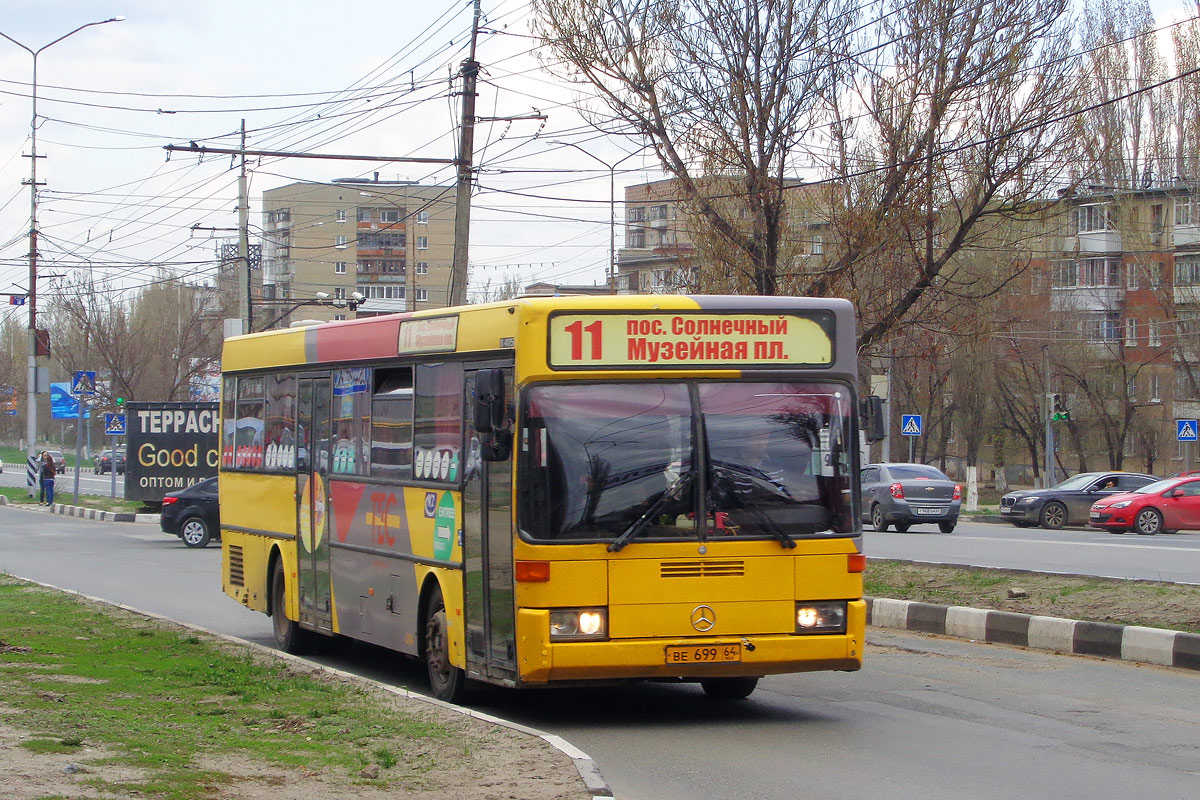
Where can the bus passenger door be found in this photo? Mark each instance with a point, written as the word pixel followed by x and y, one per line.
pixel 487 555
pixel 312 491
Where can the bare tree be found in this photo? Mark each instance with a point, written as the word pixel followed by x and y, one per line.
pixel 721 89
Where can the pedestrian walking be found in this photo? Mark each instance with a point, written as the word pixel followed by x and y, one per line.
pixel 48 473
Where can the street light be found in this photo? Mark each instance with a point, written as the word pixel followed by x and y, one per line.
pixel 352 303
pixel 612 207
pixel 31 379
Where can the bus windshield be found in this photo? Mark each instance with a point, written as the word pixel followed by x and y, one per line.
pixel 700 460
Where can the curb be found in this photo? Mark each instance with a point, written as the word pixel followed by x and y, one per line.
pixel 1106 640
pixel 91 513
pixel 589 773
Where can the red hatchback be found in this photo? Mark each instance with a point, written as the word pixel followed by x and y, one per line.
pixel 1161 507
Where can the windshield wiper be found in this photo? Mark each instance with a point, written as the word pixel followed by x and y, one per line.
pixel 762 519
pixel 672 492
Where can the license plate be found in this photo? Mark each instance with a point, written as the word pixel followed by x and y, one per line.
pixel 931 512
pixel 704 654
pixel 1094 515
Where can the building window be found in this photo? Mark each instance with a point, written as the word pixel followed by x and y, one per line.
pixel 1133 276
pixel 422 242
pixel 387 240
pixel 1131 332
pixel 1100 272
pixel 1131 388
pixel 339 215
pixel 340 242
pixel 1155 395
pixel 422 217
pixel 339 293
pixel 1156 274
pixel 1187 271
pixel 818 245
pixel 422 267
pixel 364 214
pixel 339 267
pixel 339 317
pixel 1183 212
pixel 637 214
pixel 636 237
pixel 1102 327
pixel 390 215
pixel 1154 334
pixel 1093 218
pixel 1064 275
pixel 658 212
pixel 422 295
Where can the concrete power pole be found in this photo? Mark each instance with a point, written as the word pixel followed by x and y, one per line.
pixel 245 310
pixel 469 70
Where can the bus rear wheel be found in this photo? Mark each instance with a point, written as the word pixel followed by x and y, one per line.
pixel 448 682
pixel 729 688
pixel 289 636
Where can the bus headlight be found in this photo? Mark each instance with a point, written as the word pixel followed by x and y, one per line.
pixel 578 624
pixel 821 617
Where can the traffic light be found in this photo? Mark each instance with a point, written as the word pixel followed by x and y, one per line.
pixel 121 401
pixel 1058 409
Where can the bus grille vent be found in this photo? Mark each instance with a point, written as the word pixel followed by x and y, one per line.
pixel 237 568
pixel 703 569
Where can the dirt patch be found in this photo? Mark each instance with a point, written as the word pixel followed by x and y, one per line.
pixel 1158 605
pixel 479 761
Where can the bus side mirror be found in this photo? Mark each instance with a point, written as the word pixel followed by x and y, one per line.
pixel 490 408
pixel 491 416
pixel 870 412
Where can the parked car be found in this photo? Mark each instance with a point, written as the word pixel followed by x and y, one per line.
pixel 909 494
pixel 193 514
pixel 104 462
pixel 1165 506
pixel 60 461
pixel 1070 502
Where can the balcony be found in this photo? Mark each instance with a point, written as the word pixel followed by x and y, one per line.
pixel 1187 295
pixel 1087 298
pixel 1108 241
pixel 1186 236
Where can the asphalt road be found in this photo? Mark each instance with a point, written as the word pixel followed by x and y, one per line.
pixel 1171 557
pixel 926 718
pixel 64 485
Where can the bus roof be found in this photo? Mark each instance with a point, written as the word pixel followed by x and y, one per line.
pixel 493 327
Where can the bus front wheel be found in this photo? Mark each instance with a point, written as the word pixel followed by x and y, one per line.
pixel 289 636
pixel 448 682
pixel 729 688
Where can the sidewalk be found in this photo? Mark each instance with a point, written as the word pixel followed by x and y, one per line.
pixel 85 513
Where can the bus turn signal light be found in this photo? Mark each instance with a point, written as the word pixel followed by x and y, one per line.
pixel 533 571
pixel 856 562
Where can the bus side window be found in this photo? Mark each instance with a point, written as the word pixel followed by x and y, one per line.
pixel 392 424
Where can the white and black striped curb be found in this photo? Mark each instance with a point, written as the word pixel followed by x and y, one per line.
pixel 90 513
pixel 1104 639
pixel 589 773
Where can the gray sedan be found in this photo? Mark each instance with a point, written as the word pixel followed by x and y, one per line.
pixel 909 494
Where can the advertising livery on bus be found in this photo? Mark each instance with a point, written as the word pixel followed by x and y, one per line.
pixel 556 491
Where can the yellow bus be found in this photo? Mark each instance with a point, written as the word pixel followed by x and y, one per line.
pixel 556 491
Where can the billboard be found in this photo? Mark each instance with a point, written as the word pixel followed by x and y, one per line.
pixel 63 404
pixel 169 446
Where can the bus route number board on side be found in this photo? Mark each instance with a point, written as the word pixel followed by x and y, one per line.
pixel 704 654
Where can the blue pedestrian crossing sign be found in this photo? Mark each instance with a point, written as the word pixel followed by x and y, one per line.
pixel 910 424
pixel 1186 430
pixel 84 382
pixel 114 424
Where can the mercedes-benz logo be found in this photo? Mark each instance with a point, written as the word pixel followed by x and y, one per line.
pixel 703 618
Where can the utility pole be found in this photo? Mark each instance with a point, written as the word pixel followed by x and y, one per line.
pixel 1049 475
pixel 244 307
pixel 469 71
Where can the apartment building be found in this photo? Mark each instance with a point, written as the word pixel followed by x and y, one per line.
pixel 391 242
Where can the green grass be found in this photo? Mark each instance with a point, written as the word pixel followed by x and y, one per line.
pixel 158 700
pixel 63 493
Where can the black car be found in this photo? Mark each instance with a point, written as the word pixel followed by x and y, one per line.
pixel 193 514
pixel 104 462
pixel 1069 502
pixel 909 494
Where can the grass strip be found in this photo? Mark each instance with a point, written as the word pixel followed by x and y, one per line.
pixel 161 701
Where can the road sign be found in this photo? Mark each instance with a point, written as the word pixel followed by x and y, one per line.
pixel 84 382
pixel 1186 430
pixel 114 424
pixel 910 424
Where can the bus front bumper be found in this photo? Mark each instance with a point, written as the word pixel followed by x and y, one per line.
pixel 544 662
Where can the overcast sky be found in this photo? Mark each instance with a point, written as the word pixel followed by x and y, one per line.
pixel 365 77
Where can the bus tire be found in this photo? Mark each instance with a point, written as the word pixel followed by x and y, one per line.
pixel 448 682
pixel 729 688
pixel 289 636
